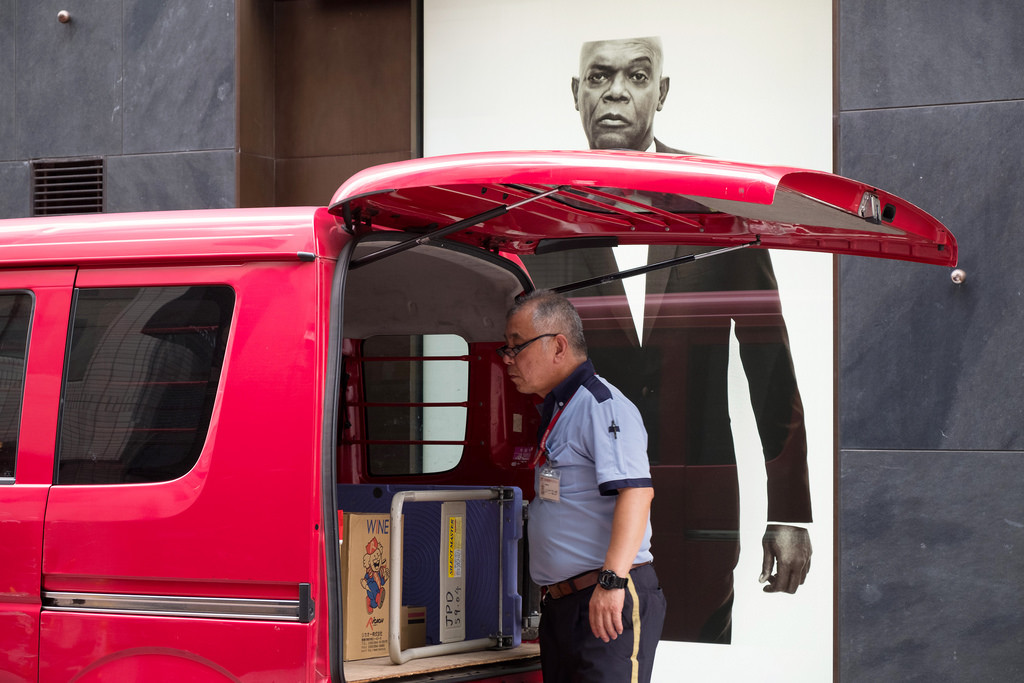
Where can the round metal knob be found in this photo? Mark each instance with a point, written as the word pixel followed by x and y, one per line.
pixel 958 276
pixel 63 16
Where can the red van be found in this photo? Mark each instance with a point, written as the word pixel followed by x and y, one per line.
pixel 191 402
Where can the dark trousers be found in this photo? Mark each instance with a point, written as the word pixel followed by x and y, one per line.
pixel 569 652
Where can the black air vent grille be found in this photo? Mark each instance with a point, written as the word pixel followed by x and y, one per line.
pixel 67 186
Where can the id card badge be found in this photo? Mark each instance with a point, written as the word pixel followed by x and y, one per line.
pixel 550 481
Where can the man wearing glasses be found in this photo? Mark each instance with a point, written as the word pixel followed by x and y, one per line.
pixel 590 530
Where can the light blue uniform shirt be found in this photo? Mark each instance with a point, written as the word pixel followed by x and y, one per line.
pixel 598 446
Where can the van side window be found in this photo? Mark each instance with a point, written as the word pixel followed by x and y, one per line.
pixel 416 402
pixel 140 382
pixel 15 314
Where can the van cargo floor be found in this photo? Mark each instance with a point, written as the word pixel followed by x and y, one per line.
pixel 382 668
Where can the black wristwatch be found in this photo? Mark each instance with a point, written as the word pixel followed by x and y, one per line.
pixel 609 580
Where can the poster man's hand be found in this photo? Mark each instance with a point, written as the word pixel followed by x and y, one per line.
pixel 788 550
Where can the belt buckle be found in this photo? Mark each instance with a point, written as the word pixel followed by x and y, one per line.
pixel 560 589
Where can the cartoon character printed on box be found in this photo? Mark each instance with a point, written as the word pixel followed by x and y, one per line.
pixel 376 575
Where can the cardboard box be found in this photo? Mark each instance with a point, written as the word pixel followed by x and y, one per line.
pixel 465 552
pixel 414 627
pixel 365 589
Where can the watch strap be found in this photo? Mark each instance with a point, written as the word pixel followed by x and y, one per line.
pixel 609 580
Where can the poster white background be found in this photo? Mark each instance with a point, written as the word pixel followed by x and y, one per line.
pixel 750 80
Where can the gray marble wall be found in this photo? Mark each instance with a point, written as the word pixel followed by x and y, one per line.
pixel 931 413
pixel 179 75
pixel 931 567
pixel 7 148
pixel 15 181
pixel 124 79
pixel 203 179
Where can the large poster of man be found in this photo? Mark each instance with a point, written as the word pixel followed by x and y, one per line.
pixel 730 358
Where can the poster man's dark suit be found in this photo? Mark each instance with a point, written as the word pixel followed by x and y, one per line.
pixel 679 380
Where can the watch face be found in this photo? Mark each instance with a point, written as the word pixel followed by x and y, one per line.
pixel 610 581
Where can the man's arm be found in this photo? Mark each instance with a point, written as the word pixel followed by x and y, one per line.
pixel 632 510
pixel 778 410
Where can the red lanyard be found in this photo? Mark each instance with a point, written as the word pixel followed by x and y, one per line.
pixel 541 455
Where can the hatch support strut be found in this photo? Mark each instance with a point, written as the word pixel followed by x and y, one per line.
pixel 614 277
pixel 444 232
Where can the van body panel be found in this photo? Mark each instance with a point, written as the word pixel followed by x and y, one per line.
pixel 163 649
pixel 21 532
pixel 23 500
pixel 170 236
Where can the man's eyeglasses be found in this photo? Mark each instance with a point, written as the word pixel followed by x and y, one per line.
pixel 511 352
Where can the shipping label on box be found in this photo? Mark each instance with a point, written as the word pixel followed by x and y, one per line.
pixel 366 575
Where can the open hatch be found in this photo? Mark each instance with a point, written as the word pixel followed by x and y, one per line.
pixel 536 202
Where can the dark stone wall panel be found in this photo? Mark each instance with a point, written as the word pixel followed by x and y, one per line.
pixel 926 364
pixel 163 182
pixel 8 149
pixel 931 555
pixel 68 89
pixel 15 189
pixel 896 53
pixel 179 75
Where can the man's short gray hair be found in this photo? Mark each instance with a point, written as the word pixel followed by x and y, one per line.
pixel 553 312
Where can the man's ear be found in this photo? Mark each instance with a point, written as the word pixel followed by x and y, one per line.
pixel 561 347
pixel 662 91
pixel 576 92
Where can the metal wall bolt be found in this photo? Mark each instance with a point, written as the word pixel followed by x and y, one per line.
pixel 958 276
pixel 63 16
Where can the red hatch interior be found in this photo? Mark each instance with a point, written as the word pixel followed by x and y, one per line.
pixel 532 202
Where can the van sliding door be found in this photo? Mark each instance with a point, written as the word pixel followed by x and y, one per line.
pixel 184 512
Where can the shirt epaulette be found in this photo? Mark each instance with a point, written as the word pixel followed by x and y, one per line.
pixel 597 388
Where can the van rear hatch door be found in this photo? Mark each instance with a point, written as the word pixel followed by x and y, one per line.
pixel 533 202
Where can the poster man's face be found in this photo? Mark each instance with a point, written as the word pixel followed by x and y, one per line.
pixel 619 89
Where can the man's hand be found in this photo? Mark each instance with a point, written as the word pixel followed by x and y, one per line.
pixel 606 612
pixel 788 548
pixel 632 507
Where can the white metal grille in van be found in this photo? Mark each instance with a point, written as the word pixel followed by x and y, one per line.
pixel 67 186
